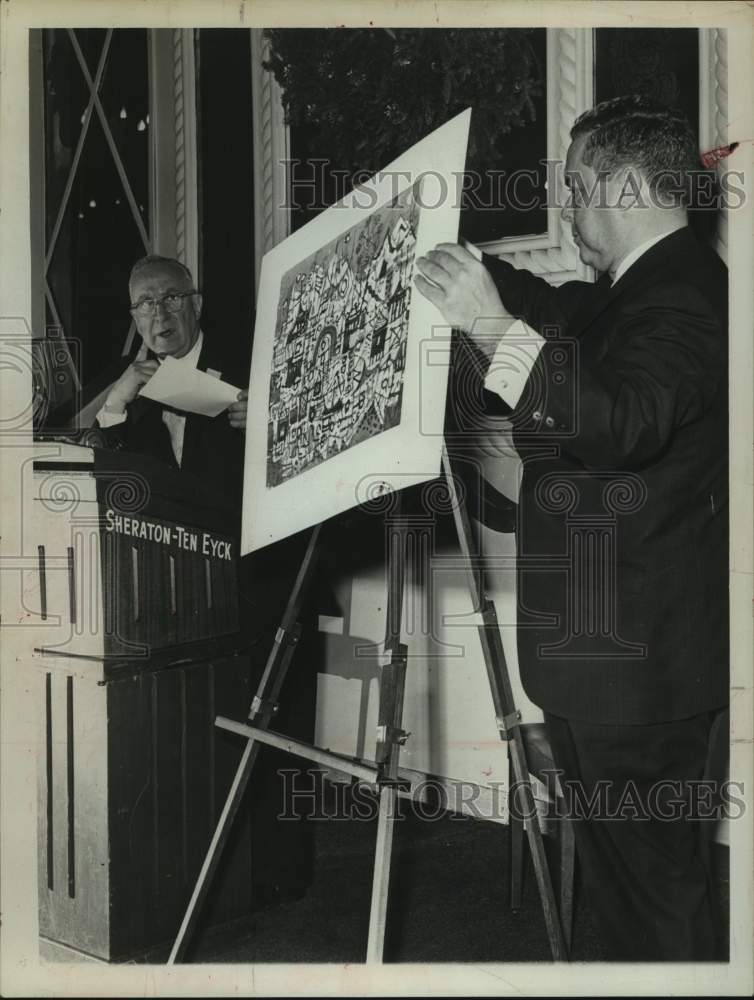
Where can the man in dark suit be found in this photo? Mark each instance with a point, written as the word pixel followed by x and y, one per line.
pixel 618 398
pixel 166 308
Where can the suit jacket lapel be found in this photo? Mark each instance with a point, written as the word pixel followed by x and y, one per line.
pixel 209 359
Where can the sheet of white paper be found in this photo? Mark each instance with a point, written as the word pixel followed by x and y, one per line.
pixel 194 391
pixel 350 363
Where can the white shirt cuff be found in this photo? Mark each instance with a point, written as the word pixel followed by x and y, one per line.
pixel 106 418
pixel 511 365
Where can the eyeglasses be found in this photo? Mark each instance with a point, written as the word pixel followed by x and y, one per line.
pixel 173 302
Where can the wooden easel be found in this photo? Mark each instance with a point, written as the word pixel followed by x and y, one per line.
pixel 383 773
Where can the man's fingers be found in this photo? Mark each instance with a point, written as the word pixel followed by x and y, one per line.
pixel 431 270
pixel 145 369
pixel 237 415
pixel 457 252
pixel 445 260
pixel 428 290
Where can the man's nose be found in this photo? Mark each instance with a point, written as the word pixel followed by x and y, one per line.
pixel 566 212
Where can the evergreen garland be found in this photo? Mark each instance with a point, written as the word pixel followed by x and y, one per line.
pixel 366 95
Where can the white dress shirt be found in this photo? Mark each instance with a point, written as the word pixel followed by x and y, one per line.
pixel 520 345
pixel 175 422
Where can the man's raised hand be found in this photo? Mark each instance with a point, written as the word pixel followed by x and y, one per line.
pixel 461 287
pixel 127 387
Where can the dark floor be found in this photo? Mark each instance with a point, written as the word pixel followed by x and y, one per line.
pixel 448 901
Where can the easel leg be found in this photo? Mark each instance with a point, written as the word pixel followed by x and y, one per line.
pixel 567 873
pixel 516 854
pixel 506 714
pixel 381 879
pixel 209 866
pixel 537 847
pixel 262 710
pixel 390 736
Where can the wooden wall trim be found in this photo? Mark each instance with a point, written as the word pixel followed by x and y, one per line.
pixel 570 91
pixel 713 108
pixel 184 110
pixel 162 143
pixel 271 153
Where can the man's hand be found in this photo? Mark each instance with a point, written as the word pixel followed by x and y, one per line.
pixel 237 411
pixel 463 290
pixel 127 387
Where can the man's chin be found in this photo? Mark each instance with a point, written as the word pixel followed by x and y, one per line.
pixel 165 349
pixel 588 257
pixel 582 251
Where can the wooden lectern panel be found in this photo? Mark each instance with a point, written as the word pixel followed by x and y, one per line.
pixel 137 650
pixel 133 773
pixel 73 869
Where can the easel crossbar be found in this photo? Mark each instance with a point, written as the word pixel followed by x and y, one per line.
pixel 357 769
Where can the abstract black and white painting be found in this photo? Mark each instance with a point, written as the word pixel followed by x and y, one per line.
pixel 339 354
pixel 349 367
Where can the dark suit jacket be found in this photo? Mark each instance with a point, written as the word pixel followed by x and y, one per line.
pixel 213 451
pixel 623 511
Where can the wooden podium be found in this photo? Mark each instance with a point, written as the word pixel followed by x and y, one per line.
pixel 137 649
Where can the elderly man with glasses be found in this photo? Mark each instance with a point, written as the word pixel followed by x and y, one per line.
pixel 166 308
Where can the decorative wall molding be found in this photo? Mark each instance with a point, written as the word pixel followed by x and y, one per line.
pixel 713 108
pixel 174 207
pixel 271 155
pixel 161 142
pixel 570 90
pixel 184 118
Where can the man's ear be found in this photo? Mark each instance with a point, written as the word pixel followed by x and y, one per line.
pixel 631 188
pixel 197 303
